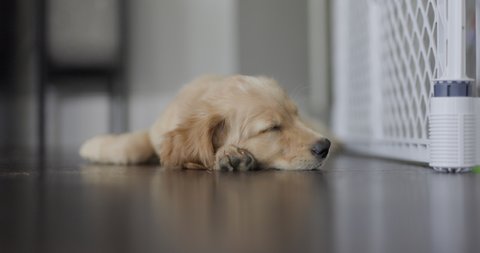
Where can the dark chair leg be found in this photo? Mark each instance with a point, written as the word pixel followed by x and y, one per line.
pixel 42 70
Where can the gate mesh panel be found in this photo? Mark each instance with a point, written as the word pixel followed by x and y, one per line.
pixel 385 110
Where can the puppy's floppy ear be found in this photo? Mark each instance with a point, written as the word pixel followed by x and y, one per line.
pixel 192 145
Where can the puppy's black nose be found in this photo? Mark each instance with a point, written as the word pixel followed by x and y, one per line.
pixel 320 148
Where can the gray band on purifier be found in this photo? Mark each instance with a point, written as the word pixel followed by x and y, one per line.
pixel 444 88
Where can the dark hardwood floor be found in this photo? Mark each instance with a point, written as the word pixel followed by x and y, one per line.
pixel 62 204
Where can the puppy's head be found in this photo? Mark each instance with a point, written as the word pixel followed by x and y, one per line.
pixel 252 113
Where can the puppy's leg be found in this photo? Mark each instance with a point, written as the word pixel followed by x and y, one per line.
pixel 128 148
pixel 231 158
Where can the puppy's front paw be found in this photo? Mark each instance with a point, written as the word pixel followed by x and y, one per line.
pixel 232 158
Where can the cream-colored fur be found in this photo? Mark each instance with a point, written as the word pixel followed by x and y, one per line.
pixel 236 122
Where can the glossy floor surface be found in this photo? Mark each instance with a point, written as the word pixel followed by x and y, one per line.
pixel 62 204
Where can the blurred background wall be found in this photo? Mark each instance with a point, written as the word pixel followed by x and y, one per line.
pixel 129 58
pixel 170 43
pixel 272 40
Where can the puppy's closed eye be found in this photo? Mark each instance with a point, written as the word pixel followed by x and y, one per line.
pixel 274 128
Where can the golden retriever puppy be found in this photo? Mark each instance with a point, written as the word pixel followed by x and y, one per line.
pixel 221 123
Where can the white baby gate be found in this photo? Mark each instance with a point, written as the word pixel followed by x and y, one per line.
pixel 400 88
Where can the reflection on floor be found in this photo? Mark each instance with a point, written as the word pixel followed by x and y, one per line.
pixel 61 204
